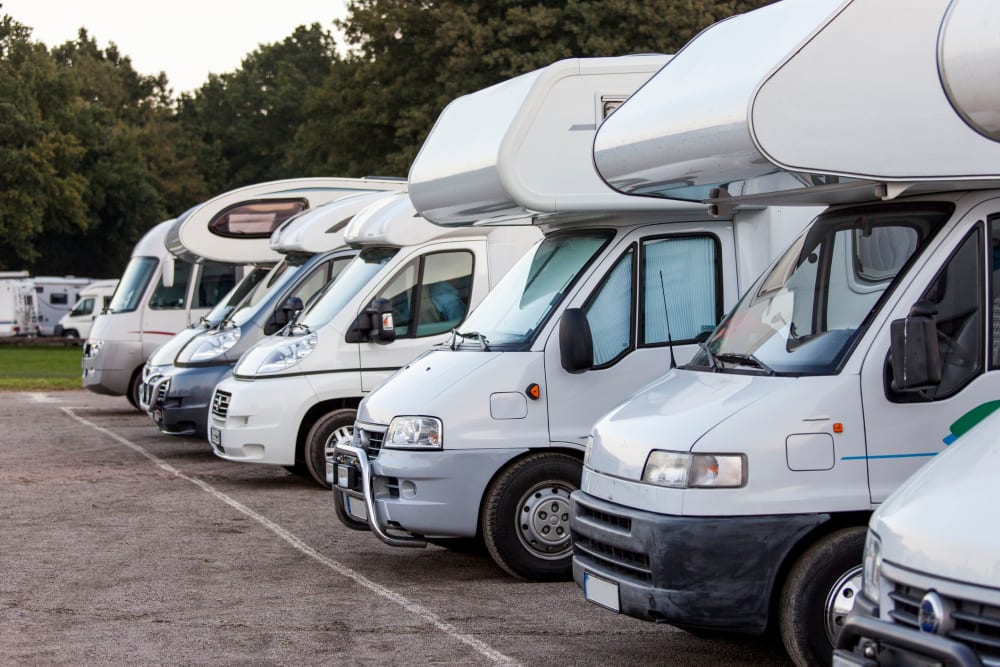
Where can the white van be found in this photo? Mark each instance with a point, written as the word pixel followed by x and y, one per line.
pixel 54 297
pixel 930 590
pixel 94 299
pixel 734 493
pixel 18 316
pixel 410 285
pixel 484 437
pixel 179 378
pixel 167 286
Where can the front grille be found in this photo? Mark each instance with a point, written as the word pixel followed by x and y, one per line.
pixel 621 523
pixel 220 403
pixel 369 437
pixel 630 564
pixel 161 393
pixel 977 625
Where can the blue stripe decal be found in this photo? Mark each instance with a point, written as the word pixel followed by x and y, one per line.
pixel 887 456
pixel 950 438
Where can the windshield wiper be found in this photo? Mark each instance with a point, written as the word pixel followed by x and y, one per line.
pixel 711 357
pixel 745 360
pixel 472 335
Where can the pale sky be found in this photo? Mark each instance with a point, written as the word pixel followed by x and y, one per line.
pixel 187 39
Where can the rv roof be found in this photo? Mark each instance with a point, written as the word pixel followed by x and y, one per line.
pixel 151 244
pixel 393 221
pixel 322 229
pixel 524 145
pixel 236 226
pixel 842 97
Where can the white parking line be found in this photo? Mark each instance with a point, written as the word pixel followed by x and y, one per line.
pixel 412 607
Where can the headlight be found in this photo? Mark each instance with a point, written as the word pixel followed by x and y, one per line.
pixel 872 571
pixel 415 432
pixel 211 346
pixel 288 354
pixel 93 348
pixel 683 470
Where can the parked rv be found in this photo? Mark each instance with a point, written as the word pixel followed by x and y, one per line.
pixel 483 438
pixel 167 286
pixel 18 316
pixel 179 378
pixel 733 494
pixel 410 285
pixel 54 297
pixel 929 592
pixel 94 300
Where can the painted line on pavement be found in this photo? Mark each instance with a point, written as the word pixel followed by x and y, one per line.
pixel 426 614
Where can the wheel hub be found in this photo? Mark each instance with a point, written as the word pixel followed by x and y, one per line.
pixel 341 436
pixel 543 521
pixel 840 601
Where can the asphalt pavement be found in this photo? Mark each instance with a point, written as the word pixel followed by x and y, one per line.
pixel 120 545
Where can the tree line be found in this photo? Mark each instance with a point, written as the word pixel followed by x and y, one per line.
pixel 94 153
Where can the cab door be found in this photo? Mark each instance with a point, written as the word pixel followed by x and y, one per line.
pixel 661 289
pixel 431 294
pixel 905 429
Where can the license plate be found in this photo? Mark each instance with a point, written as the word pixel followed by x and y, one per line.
pixel 356 508
pixel 215 436
pixel 845 659
pixel 601 591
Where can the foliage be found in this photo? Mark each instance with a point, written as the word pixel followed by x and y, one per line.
pixel 93 153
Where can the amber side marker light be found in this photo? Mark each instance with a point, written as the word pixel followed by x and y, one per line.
pixel 838 427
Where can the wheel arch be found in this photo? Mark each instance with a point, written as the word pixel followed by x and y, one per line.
pixel 834 523
pixel 313 415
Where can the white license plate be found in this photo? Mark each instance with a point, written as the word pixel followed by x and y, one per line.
pixel 215 436
pixel 356 508
pixel 601 591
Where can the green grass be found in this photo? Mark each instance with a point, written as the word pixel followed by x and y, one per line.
pixel 28 368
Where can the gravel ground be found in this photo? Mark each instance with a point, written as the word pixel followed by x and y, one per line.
pixel 124 546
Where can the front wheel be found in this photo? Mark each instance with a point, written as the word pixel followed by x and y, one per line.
pixel 134 391
pixel 818 594
pixel 526 517
pixel 332 428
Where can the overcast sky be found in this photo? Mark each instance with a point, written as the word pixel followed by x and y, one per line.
pixel 187 39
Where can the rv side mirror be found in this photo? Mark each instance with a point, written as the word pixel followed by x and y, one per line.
pixel 167 277
pixel 915 357
pixel 374 324
pixel 576 343
pixel 291 307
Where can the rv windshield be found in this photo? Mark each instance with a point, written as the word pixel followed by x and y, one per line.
pixel 804 315
pixel 133 284
pixel 349 282
pixel 523 299
pixel 279 276
pixel 235 296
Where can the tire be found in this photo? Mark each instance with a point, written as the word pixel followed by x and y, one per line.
pixel 819 591
pixel 134 389
pixel 322 437
pixel 525 519
pixel 299 469
pixel 71 333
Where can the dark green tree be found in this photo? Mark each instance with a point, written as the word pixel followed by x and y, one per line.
pixel 409 59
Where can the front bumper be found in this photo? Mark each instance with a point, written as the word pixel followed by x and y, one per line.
pixel 110 371
pixel 178 399
pixel 696 572
pixel 866 641
pixel 424 493
pixel 257 421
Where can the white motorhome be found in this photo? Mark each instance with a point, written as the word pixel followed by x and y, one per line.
pixel 734 493
pixel 484 438
pixel 411 284
pixel 179 378
pixel 18 316
pixel 184 267
pixel 94 299
pixel 54 297
pixel 930 589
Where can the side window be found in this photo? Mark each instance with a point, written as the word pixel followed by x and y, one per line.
pixel 84 307
pixel 431 294
pixel 215 282
pixel 58 299
pixel 609 313
pixel 314 282
pixel 957 291
pixel 174 297
pixel 680 289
